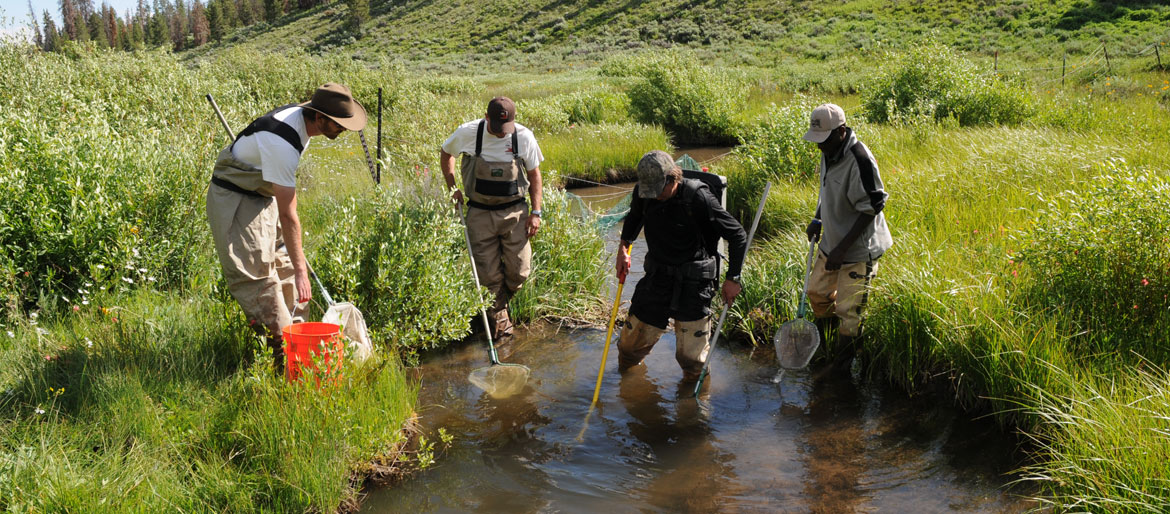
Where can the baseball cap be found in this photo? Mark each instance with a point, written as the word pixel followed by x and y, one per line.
pixel 824 120
pixel 652 171
pixel 501 115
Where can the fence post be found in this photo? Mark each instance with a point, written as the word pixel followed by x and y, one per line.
pixel 1159 54
pixel 997 62
pixel 1063 65
pixel 378 179
pixel 1108 66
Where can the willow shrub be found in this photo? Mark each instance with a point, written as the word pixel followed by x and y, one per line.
pixel 1100 258
pixel 933 81
pixel 698 105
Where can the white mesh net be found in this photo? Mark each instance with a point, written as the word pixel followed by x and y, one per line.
pixel 353 326
pixel 500 380
pixel 796 342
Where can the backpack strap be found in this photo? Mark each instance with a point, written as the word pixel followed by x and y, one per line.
pixel 268 123
pixel 479 138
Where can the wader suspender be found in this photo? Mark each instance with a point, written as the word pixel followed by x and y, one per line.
pixel 479 130
pixel 266 123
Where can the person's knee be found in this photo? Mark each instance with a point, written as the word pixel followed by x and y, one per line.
pixel 693 342
pixel 637 339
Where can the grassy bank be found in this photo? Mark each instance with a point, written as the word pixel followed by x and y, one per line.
pixel 1029 270
pixel 133 382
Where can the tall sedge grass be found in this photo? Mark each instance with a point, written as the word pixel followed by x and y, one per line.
pixel 602 153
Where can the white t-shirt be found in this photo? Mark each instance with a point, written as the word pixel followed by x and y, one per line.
pixel 276 158
pixel 495 149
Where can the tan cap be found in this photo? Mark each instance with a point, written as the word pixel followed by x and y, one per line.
pixel 824 120
pixel 335 101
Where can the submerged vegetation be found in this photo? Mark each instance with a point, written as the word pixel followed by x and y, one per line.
pixel 1029 270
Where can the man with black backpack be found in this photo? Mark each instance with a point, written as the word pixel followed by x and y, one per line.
pixel 683 222
pixel 501 161
pixel 849 208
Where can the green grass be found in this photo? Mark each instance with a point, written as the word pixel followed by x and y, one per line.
pixel 602 153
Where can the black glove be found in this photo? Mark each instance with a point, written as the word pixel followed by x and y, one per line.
pixel 813 230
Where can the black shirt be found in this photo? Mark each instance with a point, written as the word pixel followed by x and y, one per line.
pixel 675 237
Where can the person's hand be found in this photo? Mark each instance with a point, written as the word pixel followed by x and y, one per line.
pixel 813 230
pixel 834 260
pixel 457 195
pixel 533 226
pixel 304 288
pixel 731 290
pixel 623 262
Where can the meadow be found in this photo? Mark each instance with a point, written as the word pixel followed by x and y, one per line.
pixel 1029 273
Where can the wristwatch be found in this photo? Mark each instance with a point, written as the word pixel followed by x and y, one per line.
pixel 535 212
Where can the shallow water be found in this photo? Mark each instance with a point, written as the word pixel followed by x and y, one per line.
pixel 748 444
pixel 754 441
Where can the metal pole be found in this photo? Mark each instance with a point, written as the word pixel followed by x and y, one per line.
pixel 1108 66
pixel 378 179
pixel 997 62
pixel 221 119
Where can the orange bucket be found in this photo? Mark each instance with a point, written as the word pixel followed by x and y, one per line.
pixel 302 341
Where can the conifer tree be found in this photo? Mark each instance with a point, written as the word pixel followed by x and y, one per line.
pixel 199 30
pixel 38 39
pixel 52 37
pixel 97 30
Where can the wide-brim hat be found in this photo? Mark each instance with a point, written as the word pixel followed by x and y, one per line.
pixel 336 102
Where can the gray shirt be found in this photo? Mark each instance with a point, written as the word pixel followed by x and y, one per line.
pixel 851 187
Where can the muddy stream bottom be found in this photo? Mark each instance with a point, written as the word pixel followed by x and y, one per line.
pixel 748 444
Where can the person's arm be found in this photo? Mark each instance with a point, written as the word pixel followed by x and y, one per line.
pixel 290 227
pixel 731 230
pixel 630 229
pixel 447 166
pixel 534 191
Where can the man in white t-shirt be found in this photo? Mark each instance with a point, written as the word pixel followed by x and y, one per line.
pixel 501 160
pixel 252 207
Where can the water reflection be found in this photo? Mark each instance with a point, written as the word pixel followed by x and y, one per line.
pixel 748 445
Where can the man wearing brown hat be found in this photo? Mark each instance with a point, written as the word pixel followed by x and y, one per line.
pixel 849 208
pixel 252 207
pixel 501 160
pixel 683 222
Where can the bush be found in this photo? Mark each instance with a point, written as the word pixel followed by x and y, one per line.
pixel 1100 259
pixel 602 153
pixel 931 80
pixel 696 104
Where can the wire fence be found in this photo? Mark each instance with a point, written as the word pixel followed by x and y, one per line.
pixel 1100 62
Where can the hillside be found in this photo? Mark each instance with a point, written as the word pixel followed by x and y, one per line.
pixel 553 34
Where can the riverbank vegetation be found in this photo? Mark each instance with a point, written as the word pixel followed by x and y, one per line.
pixel 1029 270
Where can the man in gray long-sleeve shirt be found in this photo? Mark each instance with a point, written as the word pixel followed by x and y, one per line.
pixel 683 223
pixel 855 233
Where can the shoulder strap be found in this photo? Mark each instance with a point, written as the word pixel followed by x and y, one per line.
pixel 268 123
pixel 479 138
pixel 515 143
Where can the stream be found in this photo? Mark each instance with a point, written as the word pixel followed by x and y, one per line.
pixel 754 441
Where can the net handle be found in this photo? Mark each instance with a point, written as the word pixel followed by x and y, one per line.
pixel 812 248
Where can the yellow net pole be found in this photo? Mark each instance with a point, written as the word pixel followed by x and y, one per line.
pixel 617 301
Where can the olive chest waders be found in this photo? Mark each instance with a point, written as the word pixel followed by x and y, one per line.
pixel 245 225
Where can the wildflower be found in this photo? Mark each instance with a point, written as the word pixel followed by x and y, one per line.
pixel 134 230
pixel 105 310
pixel 76 308
pixel 42 331
pixel 88 343
pixel 1135 305
pixel 1015 273
pixel 1145 282
pixel 127 280
pixel 142 270
pixel 114 319
pixel 48 357
pixel 40 410
pixel 33 315
pixel 100 266
pixel 151 279
pixel 11 334
pixel 85 302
